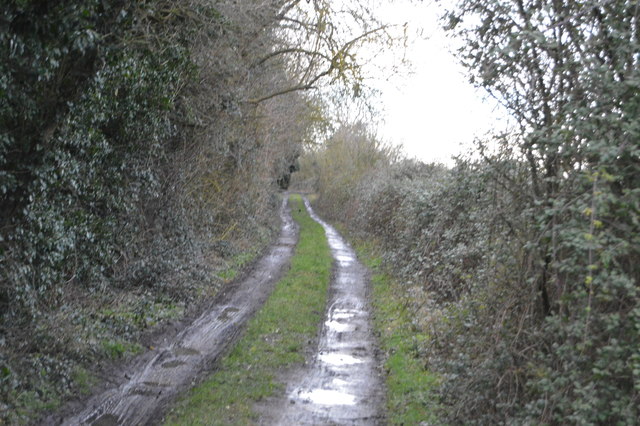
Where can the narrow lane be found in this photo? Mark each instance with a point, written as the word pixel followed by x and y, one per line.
pixel 342 385
pixel 162 374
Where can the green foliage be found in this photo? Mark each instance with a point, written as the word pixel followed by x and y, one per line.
pixel 529 251
pixel 84 380
pixel 567 77
pixel 84 123
pixel 116 349
pixel 274 339
pixel 112 188
pixel 338 166
pixel 141 144
pixel 236 264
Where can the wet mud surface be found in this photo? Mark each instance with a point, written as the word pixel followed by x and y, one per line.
pixel 342 384
pixel 158 376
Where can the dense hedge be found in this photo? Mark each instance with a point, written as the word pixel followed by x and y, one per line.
pixel 465 243
pixel 522 261
pixel 131 167
pixel 86 129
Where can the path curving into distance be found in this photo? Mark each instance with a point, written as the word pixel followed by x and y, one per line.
pixel 161 374
pixel 342 385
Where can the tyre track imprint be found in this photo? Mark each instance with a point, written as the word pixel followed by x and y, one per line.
pixel 161 374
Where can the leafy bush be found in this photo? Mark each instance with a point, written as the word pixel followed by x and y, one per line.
pixel 531 304
pixel 468 236
pixel 531 250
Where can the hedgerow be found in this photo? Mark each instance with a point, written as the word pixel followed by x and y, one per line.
pixel 520 260
pixel 141 146
pixel 465 242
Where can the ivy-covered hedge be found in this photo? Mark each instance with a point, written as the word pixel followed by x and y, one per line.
pixel 131 169
pixel 86 128
pixel 88 99
pixel 466 242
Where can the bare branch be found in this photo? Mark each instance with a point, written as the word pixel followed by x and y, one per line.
pixel 302 87
pixel 290 50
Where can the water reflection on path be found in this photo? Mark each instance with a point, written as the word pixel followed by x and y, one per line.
pixel 342 384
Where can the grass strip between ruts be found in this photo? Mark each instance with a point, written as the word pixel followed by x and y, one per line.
pixel 274 340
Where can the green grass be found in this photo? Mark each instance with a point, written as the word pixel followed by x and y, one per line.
pixel 116 349
pixel 237 263
pixel 411 389
pixel 273 341
pixel 83 380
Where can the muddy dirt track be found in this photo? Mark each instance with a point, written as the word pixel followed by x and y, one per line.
pixel 340 383
pixel 158 376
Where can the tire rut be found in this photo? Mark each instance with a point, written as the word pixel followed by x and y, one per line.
pixel 165 372
pixel 342 385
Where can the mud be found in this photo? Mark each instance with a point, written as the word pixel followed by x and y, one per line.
pixel 342 384
pixel 158 376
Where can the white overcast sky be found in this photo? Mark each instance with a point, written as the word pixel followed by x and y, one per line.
pixel 433 112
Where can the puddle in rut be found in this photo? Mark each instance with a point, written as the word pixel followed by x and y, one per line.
pixel 341 320
pixel 186 352
pixel 227 314
pixel 338 359
pixel 344 313
pixel 345 260
pixel 142 392
pixel 339 327
pixel 327 397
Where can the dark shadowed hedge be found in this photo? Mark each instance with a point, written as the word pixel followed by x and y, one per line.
pixel 130 163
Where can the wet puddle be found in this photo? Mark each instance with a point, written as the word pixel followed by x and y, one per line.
pixel 339 360
pixel 345 260
pixel 142 392
pixel 173 364
pixel 339 327
pixel 327 397
pixel 342 320
pixel 186 352
pixel 227 314
pixel 339 314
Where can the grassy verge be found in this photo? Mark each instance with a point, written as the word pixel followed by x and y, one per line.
pixel 274 340
pixel 411 397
